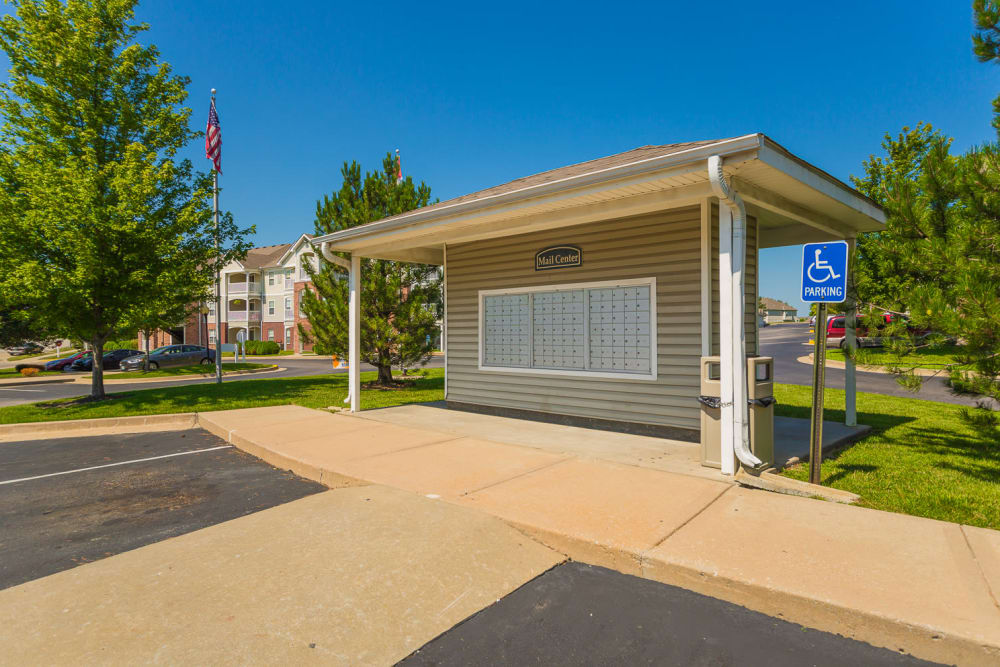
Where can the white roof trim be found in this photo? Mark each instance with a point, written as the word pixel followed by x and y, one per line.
pixel 738 144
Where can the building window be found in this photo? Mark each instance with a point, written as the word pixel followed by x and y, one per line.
pixel 270 334
pixel 288 303
pixel 270 307
pixel 604 329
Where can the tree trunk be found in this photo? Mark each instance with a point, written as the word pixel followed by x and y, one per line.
pixel 385 375
pixel 145 362
pixel 97 369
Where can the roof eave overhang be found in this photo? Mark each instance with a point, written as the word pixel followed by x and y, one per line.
pixel 745 143
pixel 411 236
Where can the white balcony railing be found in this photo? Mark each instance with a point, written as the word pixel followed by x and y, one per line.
pixel 289 283
pixel 289 314
pixel 244 316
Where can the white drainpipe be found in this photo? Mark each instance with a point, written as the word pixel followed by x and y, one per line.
pixel 345 264
pixel 732 338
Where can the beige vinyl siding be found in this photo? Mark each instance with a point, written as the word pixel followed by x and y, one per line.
pixel 665 246
pixel 749 287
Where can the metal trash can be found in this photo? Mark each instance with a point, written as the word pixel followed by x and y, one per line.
pixel 711 412
pixel 760 396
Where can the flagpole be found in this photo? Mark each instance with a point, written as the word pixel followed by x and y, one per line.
pixel 218 290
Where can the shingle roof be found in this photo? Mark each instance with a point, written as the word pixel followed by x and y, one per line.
pixel 265 256
pixel 618 159
pixel 775 304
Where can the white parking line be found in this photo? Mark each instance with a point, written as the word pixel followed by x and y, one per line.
pixel 34 390
pixel 109 465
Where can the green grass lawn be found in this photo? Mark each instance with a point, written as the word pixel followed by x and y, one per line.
pixel 10 373
pixel 920 457
pixel 279 353
pixel 935 358
pixel 317 391
pixel 197 369
pixel 61 355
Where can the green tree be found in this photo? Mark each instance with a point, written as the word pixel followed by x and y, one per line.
pixel 400 301
pixel 939 250
pixel 97 213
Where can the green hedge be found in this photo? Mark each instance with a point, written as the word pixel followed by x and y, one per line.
pixel 132 344
pixel 262 347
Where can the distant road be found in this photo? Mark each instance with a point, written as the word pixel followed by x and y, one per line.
pixel 294 368
pixel 787 342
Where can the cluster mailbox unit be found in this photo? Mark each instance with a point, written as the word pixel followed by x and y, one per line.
pixel 591 294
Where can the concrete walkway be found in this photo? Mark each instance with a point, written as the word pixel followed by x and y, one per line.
pixel 356 576
pixel 923 586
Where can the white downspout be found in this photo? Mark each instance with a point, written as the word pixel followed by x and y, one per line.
pixel 328 255
pixel 732 338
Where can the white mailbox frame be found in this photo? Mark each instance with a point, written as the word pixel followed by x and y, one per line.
pixel 560 287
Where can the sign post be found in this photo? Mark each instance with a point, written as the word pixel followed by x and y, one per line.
pixel 824 280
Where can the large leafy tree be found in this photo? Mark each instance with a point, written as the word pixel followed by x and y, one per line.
pixel 400 301
pixel 99 218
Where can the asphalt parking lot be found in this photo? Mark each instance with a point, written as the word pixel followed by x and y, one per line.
pixel 577 614
pixel 68 501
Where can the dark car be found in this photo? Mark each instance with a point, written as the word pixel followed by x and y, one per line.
pixel 60 364
pixel 110 361
pixel 172 355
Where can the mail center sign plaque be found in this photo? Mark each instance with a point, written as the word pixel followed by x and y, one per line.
pixel 558 257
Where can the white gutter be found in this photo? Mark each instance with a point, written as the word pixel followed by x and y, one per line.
pixel 647 165
pixel 732 335
pixel 324 249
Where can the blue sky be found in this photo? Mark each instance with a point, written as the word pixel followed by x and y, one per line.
pixel 475 95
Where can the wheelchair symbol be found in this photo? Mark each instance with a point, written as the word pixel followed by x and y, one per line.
pixel 819 265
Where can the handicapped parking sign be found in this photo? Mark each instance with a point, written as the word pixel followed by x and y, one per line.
pixel 824 272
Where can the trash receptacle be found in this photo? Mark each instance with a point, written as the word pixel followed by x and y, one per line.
pixel 760 396
pixel 711 412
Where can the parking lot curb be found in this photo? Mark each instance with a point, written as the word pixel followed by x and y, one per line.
pixel 177 378
pixel 29 381
pixel 840 365
pixel 60 429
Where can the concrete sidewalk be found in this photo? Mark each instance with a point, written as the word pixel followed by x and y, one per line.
pixel 918 585
pixel 353 576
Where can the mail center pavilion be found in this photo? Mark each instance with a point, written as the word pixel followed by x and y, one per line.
pixel 591 293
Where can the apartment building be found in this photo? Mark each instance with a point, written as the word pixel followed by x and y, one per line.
pixel 261 295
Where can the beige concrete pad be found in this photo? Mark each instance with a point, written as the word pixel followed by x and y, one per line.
pixel 451 468
pixel 630 449
pixel 224 421
pixel 888 579
pixel 318 457
pixel 985 545
pixel 353 576
pixel 598 512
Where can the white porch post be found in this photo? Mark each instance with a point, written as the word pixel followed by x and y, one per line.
pixel 354 334
pixel 850 337
pixel 444 321
pixel 726 360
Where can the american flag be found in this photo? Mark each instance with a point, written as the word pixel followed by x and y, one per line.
pixel 213 138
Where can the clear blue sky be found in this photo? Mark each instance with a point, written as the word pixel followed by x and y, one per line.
pixel 475 95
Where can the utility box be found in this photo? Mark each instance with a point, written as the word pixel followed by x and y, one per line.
pixel 711 412
pixel 760 396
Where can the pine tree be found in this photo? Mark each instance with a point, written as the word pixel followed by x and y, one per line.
pixel 400 301
pixel 939 253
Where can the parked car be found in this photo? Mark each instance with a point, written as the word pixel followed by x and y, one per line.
pixel 836 331
pixel 61 364
pixel 172 355
pixel 29 347
pixel 110 361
